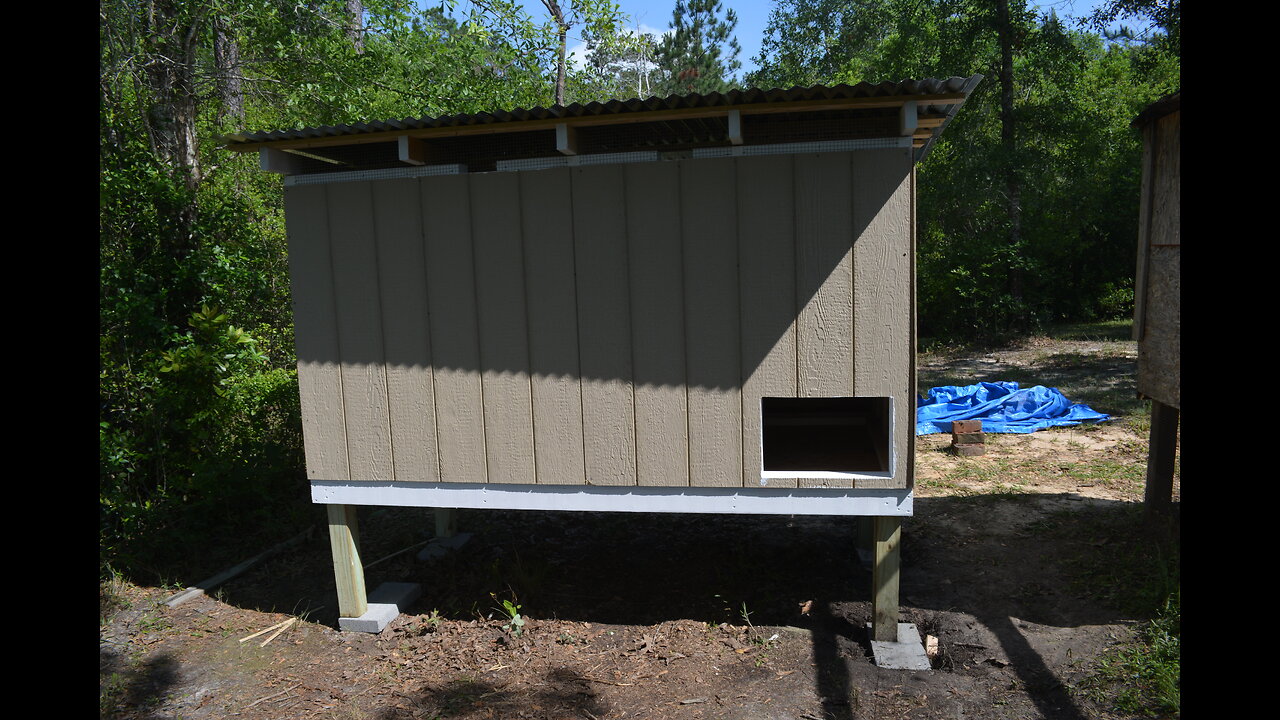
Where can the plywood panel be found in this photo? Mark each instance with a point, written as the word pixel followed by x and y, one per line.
pixel 455 343
pixel 359 316
pixel 1166 226
pixel 402 275
pixel 657 317
pixel 1158 306
pixel 604 331
pixel 504 349
pixel 324 435
pixel 551 303
pixel 713 360
pixel 882 289
pixel 767 292
pixel 1159 353
pixel 824 280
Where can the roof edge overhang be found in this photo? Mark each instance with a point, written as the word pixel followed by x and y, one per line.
pixel 932 104
pixel 1164 106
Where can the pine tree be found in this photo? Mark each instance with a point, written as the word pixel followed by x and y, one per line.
pixel 701 56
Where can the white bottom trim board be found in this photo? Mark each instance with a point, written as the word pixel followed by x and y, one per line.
pixel 745 501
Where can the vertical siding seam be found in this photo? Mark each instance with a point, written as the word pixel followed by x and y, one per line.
pixel 854 207
pixel 684 331
pixel 475 304
pixel 742 379
pixel 742 336
pixel 909 462
pixel 431 341
pixel 337 336
pixel 795 273
pixel 577 305
pixel 631 330
pixel 528 339
pixel 382 332
pixel 684 311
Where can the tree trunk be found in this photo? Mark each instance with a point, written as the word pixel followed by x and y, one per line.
pixel 553 7
pixel 170 74
pixel 226 57
pixel 560 68
pixel 1013 184
pixel 355 24
pixel 170 71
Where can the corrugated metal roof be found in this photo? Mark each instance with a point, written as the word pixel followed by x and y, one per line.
pixel 906 89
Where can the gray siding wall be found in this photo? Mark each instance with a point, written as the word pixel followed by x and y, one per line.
pixel 608 325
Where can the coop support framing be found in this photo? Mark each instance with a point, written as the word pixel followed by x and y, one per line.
pixel 1160 458
pixel 887 535
pixel 344 541
pixel 446 523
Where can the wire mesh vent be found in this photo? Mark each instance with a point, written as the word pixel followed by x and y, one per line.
pixel 706 135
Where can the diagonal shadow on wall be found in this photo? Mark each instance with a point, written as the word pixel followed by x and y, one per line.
pixel 601 272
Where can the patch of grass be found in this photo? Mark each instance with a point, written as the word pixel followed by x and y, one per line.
pixel 1145 677
pixel 977 471
pixel 1008 490
pixel 111 596
pixel 1096 331
pixel 953 488
pixel 111 693
pixel 1110 473
pixel 1118 559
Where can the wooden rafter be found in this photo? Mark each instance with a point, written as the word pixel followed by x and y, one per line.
pixel 598 120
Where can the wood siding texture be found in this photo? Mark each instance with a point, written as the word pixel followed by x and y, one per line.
pixel 1158 289
pixel 604 325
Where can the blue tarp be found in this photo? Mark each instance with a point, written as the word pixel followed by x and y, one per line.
pixel 1002 408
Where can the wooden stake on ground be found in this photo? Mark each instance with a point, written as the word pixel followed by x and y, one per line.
pixel 283 626
pixel 884 579
pixel 265 630
pixel 344 541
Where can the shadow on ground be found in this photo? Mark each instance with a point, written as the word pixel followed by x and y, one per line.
pixel 125 684
pixel 982 573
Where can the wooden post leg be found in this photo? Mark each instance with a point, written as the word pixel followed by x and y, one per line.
pixel 1160 457
pixel 866 539
pixel 446 526
pixel 884 579
pixel 344 541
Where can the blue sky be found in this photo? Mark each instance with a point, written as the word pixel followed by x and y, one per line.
pixel 753 16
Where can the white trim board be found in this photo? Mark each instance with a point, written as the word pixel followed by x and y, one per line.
pixel 398 173
pixel 892 454
pixel 737 501
pixel 803 147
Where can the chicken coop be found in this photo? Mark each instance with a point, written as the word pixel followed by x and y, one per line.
pixel 1157 318
pixel 700 303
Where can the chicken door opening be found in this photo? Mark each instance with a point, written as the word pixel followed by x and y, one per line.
pixel 826 435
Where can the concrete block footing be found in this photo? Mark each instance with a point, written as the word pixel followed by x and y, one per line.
pixel 384 605
pixel 441 546
pixel 905 654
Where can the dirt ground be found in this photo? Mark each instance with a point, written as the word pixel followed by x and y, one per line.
pixel 1020 562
